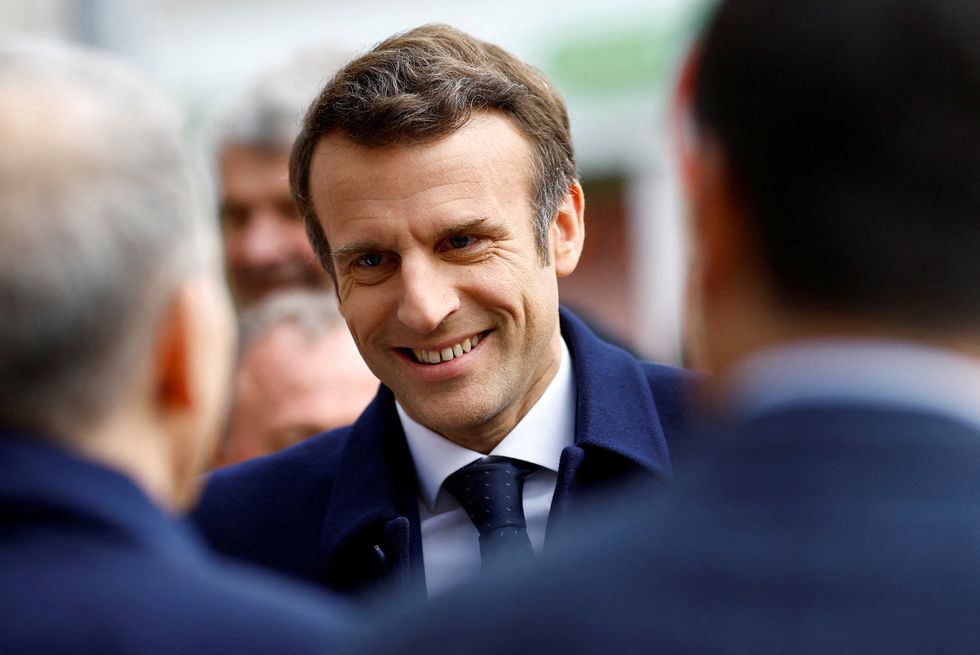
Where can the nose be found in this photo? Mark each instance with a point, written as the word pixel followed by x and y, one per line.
pixel 263 243
pixel 429 295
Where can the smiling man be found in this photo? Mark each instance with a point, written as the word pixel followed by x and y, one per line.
pixel 438 185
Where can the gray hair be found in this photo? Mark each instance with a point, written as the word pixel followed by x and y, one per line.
pixel 101 219
pixel 269 115
pixel 314 313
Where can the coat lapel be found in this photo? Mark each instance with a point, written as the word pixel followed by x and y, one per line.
pixel 370 535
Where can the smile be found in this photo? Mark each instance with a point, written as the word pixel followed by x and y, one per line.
pixel 446 354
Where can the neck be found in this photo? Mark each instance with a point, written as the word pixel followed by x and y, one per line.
pixel 485 436
pixel 765 330
pixel 137 450
pixel 757 331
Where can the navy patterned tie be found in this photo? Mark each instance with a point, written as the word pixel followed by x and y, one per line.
pixel 491 490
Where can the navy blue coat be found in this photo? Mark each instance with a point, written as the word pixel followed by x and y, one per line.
pixel 342 509
pixel 89 565
pixel 813 529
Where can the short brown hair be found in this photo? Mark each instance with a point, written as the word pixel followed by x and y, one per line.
pixel 424 84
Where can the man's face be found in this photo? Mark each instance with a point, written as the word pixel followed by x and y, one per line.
pixel 266 248
pixel 291 386
pixel 436 262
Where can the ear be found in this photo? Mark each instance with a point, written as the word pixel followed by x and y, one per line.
pixel 568 231
pixel 723 250
pixel 715 253
pixel 684 130
pixel 173 351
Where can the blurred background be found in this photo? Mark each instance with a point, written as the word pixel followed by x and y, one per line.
pixel 613 60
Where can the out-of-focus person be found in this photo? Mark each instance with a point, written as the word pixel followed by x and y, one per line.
pixel 299 374
pixel 437 177
pixel 836 205
pixel 266 247
pixel 116 341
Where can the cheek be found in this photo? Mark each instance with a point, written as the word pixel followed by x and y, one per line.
pixel 517 288
pixel 233 247
pixel 299 240
pixel 364 314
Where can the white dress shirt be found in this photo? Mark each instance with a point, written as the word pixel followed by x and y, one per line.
pixel 450 541
pixel 897 373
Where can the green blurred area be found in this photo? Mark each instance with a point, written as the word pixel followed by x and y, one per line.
pixel 631 59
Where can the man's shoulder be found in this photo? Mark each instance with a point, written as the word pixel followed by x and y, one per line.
pixel 270 510
pixel 673 392
pixel 309 462
pixel 151 600
pixel 666 380
pixel 259 611
pixel 631 395
pixel 608 359
pixel 805 526
pixel 931 455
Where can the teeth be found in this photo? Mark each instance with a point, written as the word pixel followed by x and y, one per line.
pixel 447 354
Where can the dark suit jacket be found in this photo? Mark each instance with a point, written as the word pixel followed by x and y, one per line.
pixel 341 508
pixel 813 529
pixel 89 565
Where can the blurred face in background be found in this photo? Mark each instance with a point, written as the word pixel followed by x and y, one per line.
pixel 266 248
pixel 291 385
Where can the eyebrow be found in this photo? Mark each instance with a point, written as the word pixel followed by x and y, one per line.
pixel 483 226
pixel 475 225
pixel 353 249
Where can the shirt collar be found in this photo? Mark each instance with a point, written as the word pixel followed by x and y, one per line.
pixel 889 372
pixel 538 438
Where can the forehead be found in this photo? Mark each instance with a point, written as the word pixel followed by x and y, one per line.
pixel 287 361
pixel 290 378
pixel 246 167
pixel 482 168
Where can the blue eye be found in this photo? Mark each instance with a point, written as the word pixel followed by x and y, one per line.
pixel 372 260
pixel 460 241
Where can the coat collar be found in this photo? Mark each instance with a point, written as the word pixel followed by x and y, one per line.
pixel 616 411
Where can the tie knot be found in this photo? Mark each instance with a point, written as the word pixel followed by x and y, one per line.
pixel 491 490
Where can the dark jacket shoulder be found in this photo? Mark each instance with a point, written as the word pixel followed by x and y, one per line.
pixel 89 564
pixel 246 509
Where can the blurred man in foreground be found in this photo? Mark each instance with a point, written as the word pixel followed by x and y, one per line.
pixel 836 206
pixel 266 248
pixel 437 178
pixel 299 374
pixel 115 350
